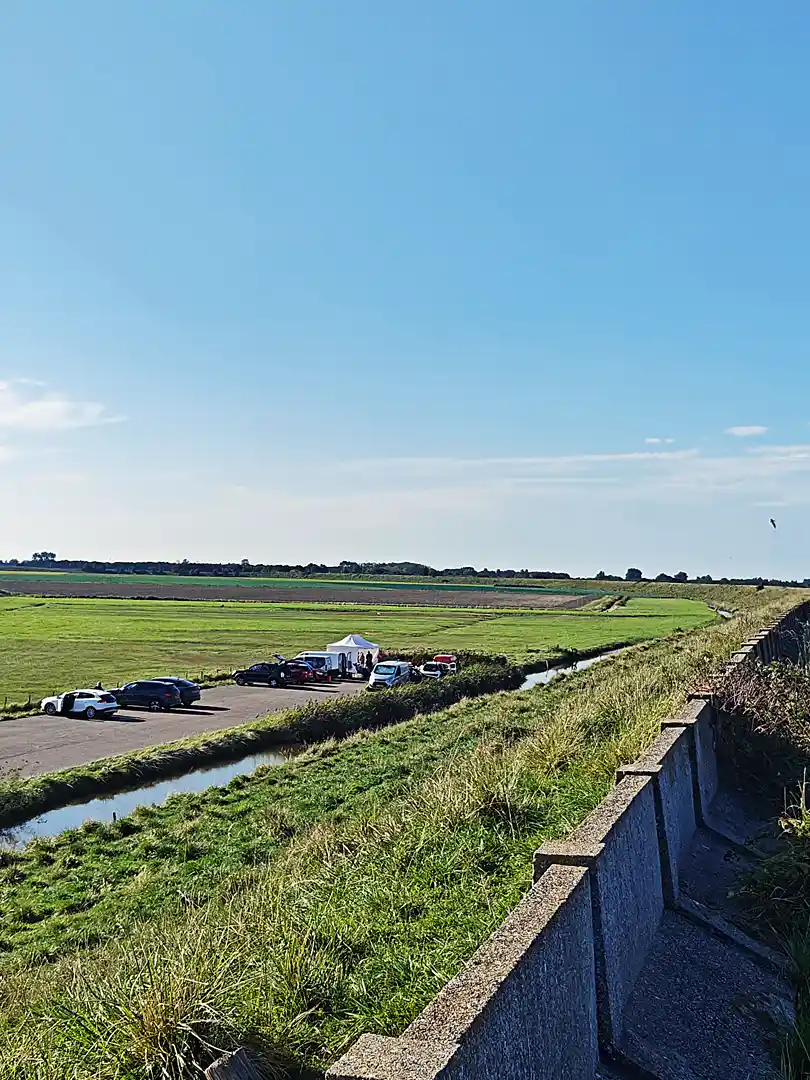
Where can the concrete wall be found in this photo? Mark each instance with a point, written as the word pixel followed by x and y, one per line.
pixel 527 996
pixel 547 991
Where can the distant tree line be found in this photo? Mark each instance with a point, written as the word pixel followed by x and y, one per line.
pixel 634 574
pixel 349 568
pixel 245 568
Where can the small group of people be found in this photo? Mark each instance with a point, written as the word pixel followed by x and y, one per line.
pixel 364 663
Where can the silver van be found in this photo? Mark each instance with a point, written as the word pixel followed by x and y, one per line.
pixel 388 674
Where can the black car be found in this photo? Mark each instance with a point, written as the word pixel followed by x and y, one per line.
pixel 271 674
pixel 150 694
pixel 189 691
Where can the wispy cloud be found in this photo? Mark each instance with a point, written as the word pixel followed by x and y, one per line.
pixel 432 466
pixel 653 441
pixel 753 474
pixel 26 406
pixel 744 431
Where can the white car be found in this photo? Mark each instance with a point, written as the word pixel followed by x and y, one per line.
pixel 434 669
pixel 90 703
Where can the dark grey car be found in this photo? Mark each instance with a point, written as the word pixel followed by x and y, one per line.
pixel 189 691
pixel 148 694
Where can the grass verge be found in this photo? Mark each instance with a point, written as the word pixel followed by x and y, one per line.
pixel 299 907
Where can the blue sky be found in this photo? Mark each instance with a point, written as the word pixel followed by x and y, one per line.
pixel 469 283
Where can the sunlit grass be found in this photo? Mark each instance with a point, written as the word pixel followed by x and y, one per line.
pixel 348 886
pixel 51 644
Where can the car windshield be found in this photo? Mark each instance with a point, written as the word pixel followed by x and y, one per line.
pixel 385 669
pixel 315 661
pixel 432 667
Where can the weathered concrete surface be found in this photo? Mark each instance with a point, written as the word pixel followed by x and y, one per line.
pixel 704 1010
pixel 524 1008
pixel 627 889
pixel 669 762
pixel 698 715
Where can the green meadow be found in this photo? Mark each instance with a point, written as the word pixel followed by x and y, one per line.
pixel 61 643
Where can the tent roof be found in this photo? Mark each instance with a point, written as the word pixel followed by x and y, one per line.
pixel 354 641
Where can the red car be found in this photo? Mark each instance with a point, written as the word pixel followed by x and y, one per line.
pixel 298 672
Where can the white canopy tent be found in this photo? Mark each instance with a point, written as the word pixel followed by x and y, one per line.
pixel 353 645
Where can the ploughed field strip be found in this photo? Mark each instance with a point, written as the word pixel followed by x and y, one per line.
pixel 282 590
pixel 61 643
pixel 323 898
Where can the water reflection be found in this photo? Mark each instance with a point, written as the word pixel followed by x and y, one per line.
pixel 540 678
pixel 124 802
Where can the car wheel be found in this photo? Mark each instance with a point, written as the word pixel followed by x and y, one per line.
pixel 90 712
pixel 154 705
pixel 50 709
pixel 239 680
pixel 273 683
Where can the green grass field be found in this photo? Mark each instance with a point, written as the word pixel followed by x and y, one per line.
pixel 50 644
pixel 308 903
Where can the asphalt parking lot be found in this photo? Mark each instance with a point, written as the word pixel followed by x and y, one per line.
pixel 36 744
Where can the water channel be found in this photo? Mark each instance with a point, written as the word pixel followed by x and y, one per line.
pixel 122 803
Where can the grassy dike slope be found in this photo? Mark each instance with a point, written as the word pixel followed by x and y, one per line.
pixel 298 908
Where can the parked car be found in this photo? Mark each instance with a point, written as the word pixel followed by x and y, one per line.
pixel 450 660
pixel 90 703
pixel 149 694
pixel 298 672
pixel 390 673
pixel 189 691
pixel 434 669
pixel 271 674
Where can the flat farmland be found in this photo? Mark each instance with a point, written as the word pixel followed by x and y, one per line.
pixel 50 643
pixel 286 590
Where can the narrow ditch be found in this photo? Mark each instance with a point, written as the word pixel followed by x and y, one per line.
pixel 122 803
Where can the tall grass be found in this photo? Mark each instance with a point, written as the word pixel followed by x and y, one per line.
pixel 765 744
pixel 359 919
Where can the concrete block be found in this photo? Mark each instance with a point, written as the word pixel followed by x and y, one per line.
pixel 524 1008
pixel 377 1057
pixel 627 891
pixel 565 853
pixel 670 764
pixel 699 716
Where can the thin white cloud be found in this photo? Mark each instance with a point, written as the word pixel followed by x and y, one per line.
pixel 660 476
pixel 24 410
pixel 797 452
pixel 432 466
pixel 744 431
pixel 658 442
